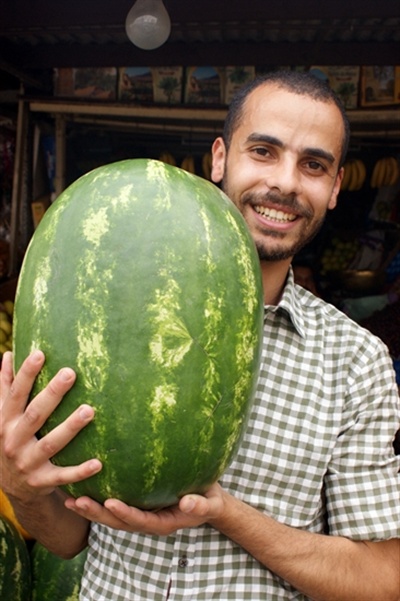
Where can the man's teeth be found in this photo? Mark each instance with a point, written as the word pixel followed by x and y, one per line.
pixel 274 214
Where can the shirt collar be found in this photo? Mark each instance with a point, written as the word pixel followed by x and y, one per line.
pixel 291 305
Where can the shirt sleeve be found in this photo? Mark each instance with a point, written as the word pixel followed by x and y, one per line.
pixel 362 483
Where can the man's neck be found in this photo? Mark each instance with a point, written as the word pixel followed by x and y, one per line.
pixel 274 276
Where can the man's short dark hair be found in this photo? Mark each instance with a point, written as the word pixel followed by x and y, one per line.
pixel 297 82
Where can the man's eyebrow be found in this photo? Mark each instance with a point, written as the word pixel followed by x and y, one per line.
pixel 320 153
pixel 314 152
pixel 255 137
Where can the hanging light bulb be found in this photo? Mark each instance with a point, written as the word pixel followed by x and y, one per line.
pixel 148 24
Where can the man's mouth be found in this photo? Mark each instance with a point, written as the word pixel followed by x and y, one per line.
pixel 274 215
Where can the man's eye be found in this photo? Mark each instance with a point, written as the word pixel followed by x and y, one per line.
pixel 315 166
pixel 261 151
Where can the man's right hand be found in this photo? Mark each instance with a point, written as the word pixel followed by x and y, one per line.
pixel 25 467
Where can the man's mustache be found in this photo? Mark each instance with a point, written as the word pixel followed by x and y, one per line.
pixel 272 198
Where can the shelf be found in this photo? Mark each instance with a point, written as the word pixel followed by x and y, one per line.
pixel 381 120
pixel 159 115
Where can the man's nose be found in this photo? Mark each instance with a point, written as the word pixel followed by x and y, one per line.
pixel 284 175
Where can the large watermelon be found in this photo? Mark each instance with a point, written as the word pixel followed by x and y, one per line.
pixel 54 578
pixel 15 568
pixel 144 279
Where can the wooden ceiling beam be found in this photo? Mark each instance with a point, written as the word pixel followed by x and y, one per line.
pixel 20 14
pixel 44 56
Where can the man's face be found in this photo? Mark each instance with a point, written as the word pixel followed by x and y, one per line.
pixel 281 169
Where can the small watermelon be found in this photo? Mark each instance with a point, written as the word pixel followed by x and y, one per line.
pixel 15 568
pixel 144 279
pixel 54 578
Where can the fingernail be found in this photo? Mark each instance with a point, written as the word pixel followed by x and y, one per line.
pixel 95 465
pixel 189 505
pixel 66 374
pixel 86 412
pixel 37 356
pixel 82 505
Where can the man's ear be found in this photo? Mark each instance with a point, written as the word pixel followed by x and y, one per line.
pixel 218 160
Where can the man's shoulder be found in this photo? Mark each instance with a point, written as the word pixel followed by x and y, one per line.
pixel 319 313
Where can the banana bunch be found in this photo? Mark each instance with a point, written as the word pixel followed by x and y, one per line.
pixel 354 175
pixel 206 164
pixel 166 157
pixel 385 172
pixel 188 164
pixel 6 315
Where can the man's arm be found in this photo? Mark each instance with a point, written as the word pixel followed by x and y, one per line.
pixel 325 568
pixel 26 474
pixel 48 521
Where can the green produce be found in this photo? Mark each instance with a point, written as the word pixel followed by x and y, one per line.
pixel 15 569
pixel 6 324
pixel 54 578
pixel 144 279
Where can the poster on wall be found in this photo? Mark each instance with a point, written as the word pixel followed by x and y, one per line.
pixel 343 80
pixel 380 86
pixel 96 83
pixel 167 84
pixel 135 85
pixel 203 85
pixel 235 78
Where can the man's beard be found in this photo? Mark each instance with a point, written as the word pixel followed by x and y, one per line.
pixel 281 253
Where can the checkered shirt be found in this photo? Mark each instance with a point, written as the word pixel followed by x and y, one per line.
pixel 317 455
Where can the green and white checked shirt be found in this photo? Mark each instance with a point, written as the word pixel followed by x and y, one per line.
pixel 317 455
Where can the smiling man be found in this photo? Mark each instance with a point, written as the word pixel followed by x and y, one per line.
pixel 280 162
pixel 309 508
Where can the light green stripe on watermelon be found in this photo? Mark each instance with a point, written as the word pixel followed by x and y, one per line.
pixel 15 571
pixel 158 174
pixel 171 340
pixel 92 357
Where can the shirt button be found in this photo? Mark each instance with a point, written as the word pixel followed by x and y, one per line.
pixel 183 562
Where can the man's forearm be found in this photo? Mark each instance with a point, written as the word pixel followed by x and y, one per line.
pixel 325 568
pixel 48 521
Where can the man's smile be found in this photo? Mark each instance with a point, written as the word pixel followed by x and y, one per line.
pixel 275 214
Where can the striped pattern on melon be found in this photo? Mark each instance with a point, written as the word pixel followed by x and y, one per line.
pixel 54 578
pixel 144 279
pixel 15 569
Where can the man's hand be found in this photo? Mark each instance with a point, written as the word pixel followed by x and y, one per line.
pixel 25 468
pixel 192 510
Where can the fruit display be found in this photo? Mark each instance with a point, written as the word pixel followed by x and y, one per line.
pixel 6 509
pixel 168 158
pixel 338 255
pixel 354 175
pixel 29 572
pixel 15 569
pixel 6 325
pixel 206 163
pixel 188 164
pixel 54 578
pixel 145 280
pixel 385 172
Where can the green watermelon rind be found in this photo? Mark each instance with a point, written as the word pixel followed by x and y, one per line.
pixel 147 296
pixel 15 567
pixel 55 578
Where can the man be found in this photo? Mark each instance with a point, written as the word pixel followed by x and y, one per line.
pixel 309 509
